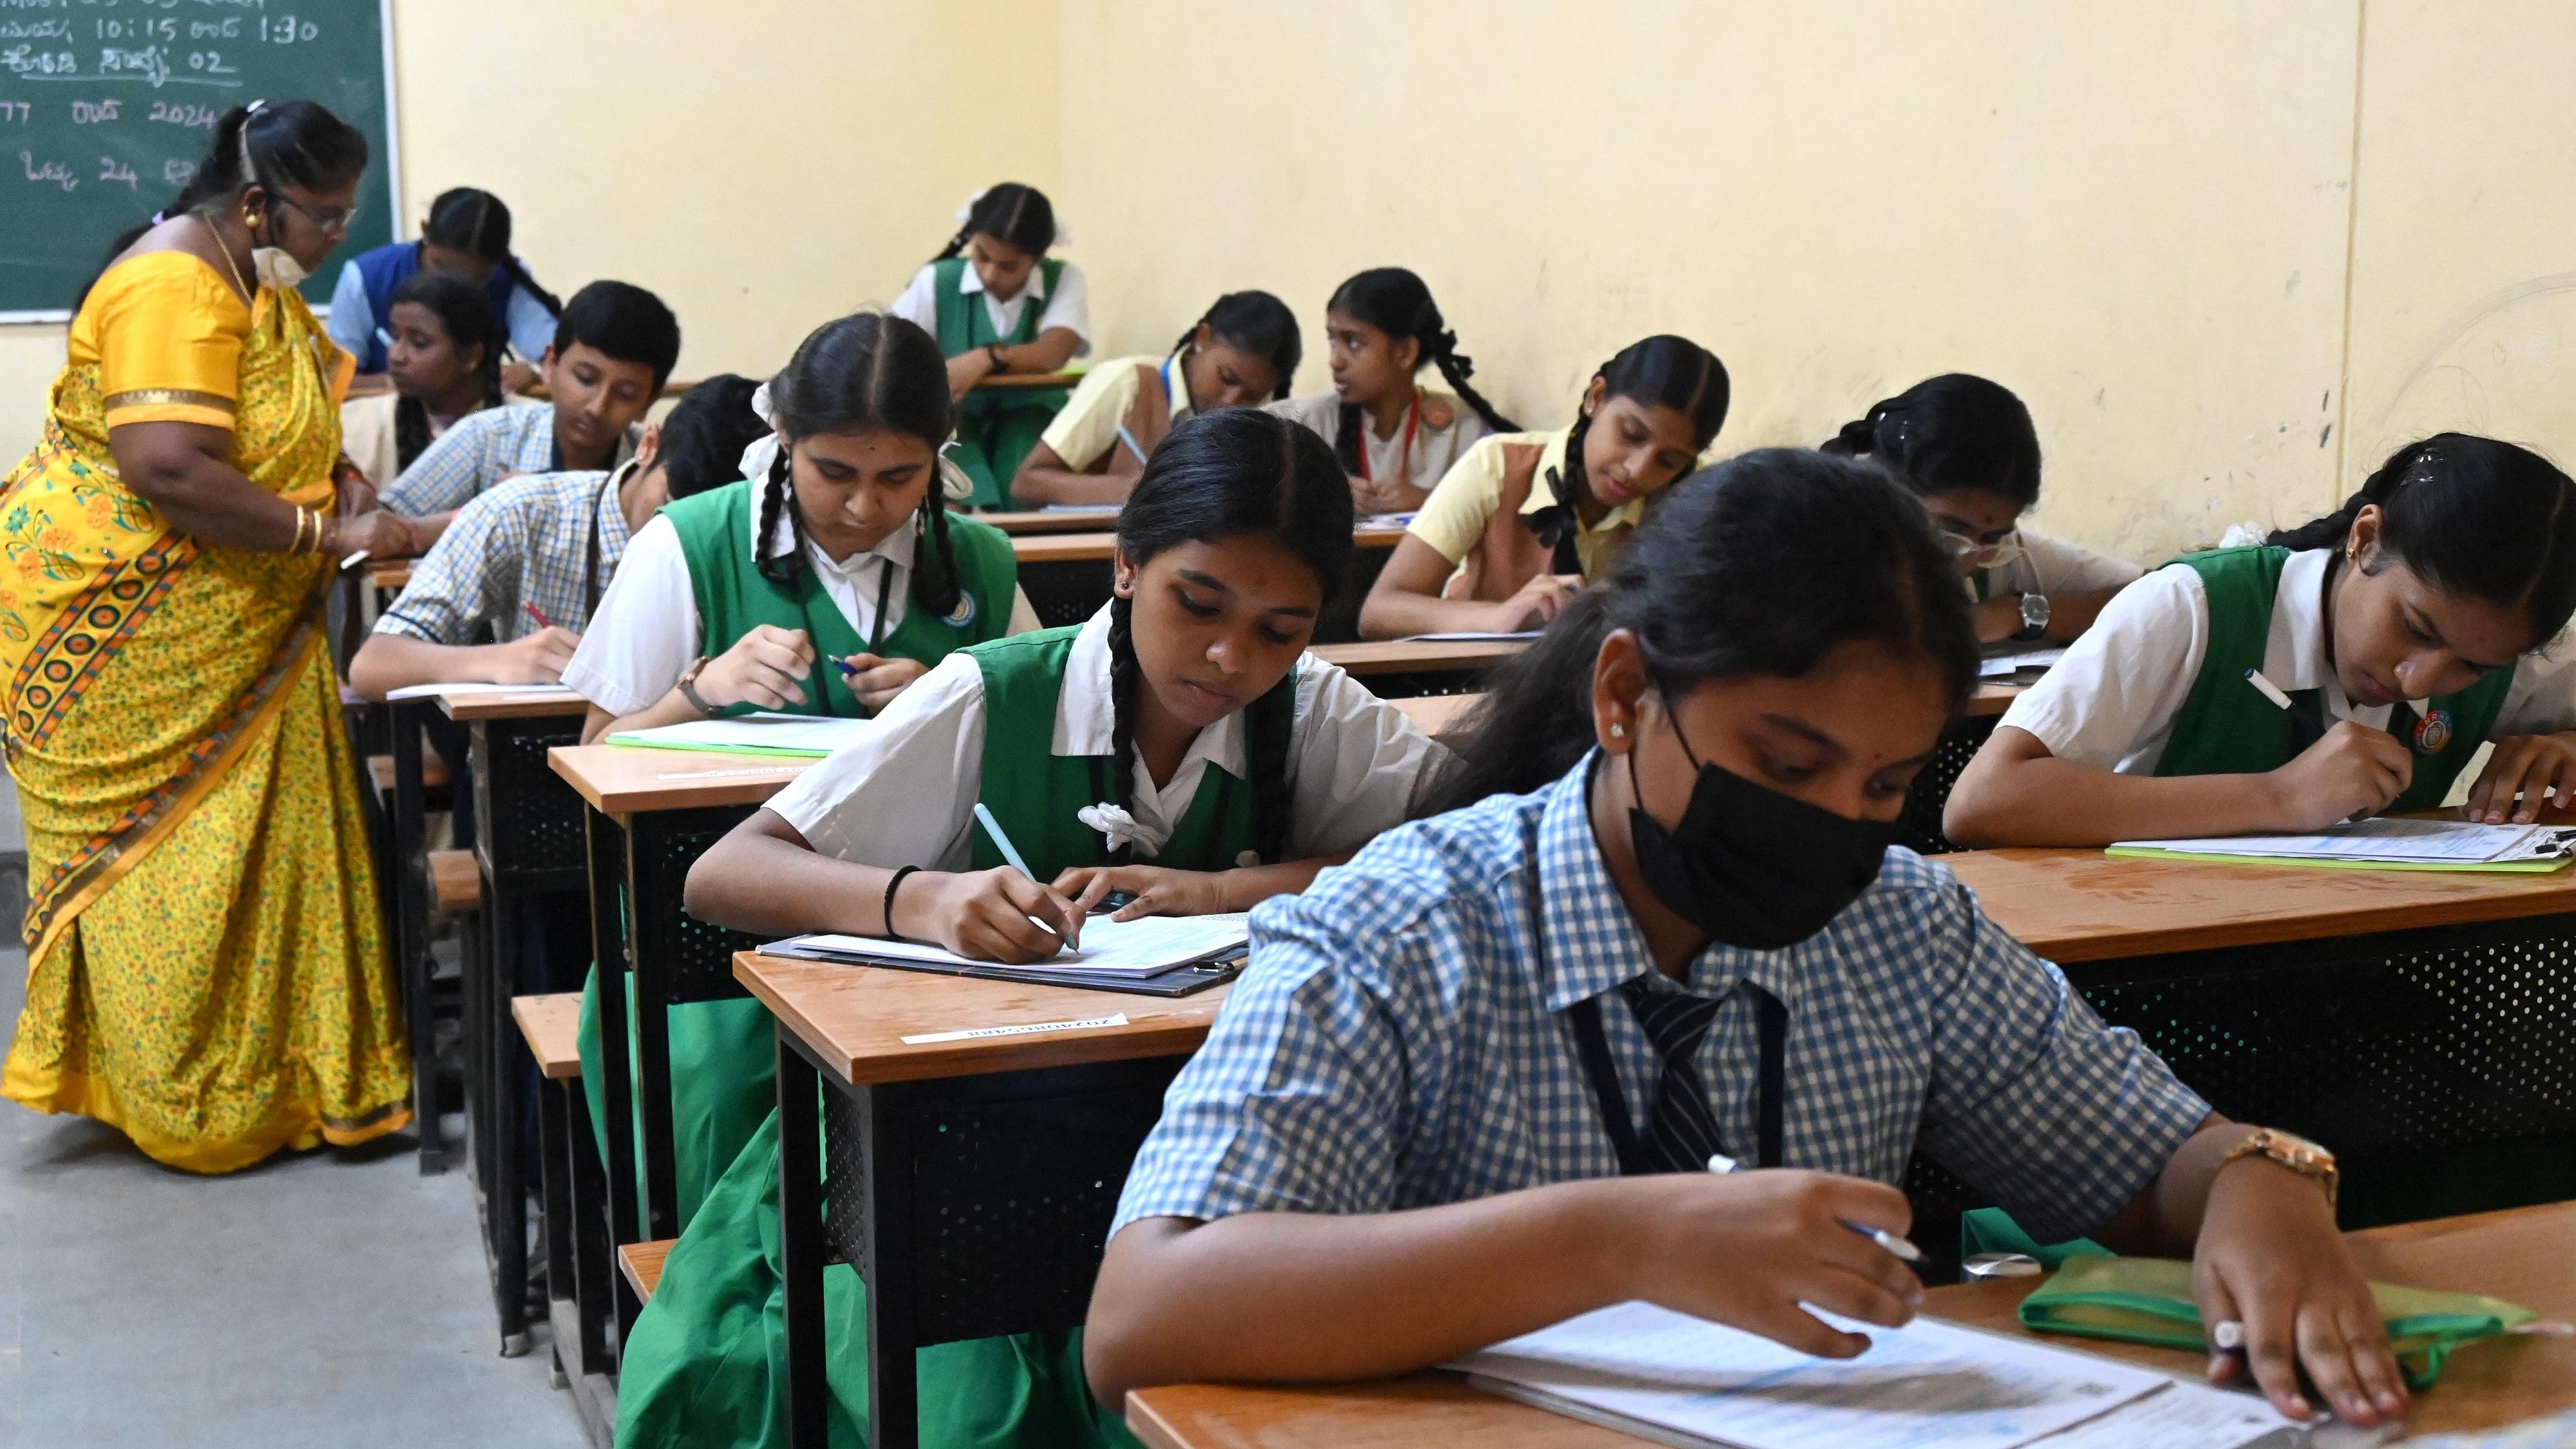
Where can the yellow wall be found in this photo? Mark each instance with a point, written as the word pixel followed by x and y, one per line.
pixel 2144 219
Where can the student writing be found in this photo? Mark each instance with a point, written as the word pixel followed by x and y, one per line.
pixel 2408 628
pixel 613 349
pixel 1181 744
pixel 1395 437
pixel 1478 1072
pixel 1518 524
pixel 445 362
pixel 1967 448
pixel 1000 305
pixel 1244 351
pixel 529 560
pixel 467 233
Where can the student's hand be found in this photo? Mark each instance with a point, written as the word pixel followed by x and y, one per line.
pixel 355 494
pixel 1998 618
pixel 985 915
pixel 967 369
pixel 519 376
pixel 1540 600
pixel 1746 1248
pixel 381 534
pixel 2539 768
pixel 876 680
pixel 2269 1258
pixel 2352 771
pixel 537 658
pixel 1159 891
pixel 767 667
pixel 1387 495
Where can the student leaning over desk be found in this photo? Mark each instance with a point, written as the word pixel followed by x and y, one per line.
pixel 2408 628
pixel 1181 745
pixel 1521 521
pixel 1420 1092
pixel 826 583
pixel 999 306
pixel 1244 351
pixel 445 362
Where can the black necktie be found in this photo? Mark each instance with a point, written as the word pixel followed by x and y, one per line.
pixel 1681 1131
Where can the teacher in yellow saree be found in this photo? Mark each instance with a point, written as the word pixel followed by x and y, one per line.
pixel 206 964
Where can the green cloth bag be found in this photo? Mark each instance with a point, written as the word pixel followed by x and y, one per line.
pixel 2149 1300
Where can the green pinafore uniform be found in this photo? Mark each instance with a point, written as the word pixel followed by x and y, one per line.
pixel 722 1067
pixel 708 1361
pixel 2227 727
pixel 996 427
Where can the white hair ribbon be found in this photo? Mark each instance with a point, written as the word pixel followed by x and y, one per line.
pixel 1121 828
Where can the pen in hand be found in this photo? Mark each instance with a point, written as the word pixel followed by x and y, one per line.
pixel 539 615
pixel 1905 1251
pixel 992 827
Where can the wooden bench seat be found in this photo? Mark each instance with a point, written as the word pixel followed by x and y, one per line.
pixel 551 1025
pixel 433 772
pixel 642 1265
pixel 455 882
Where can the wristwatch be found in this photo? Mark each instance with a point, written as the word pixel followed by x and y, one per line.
pixel 2293 1152
pixel 2034 616
pixel 993 354
pixel 689 689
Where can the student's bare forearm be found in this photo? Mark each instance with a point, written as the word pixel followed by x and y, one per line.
pixel 1168 1306
pixel 2070 614
pixel 762 877
pixel 2006 797
pixel 1391 613
pixel 1249 886
pixel 2165 1219
pixel 387 662
pixel 672 708
pixel 1062 485
pixel 1052 350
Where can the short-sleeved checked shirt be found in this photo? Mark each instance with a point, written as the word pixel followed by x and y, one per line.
pixel 1398 1041
pixel 524 542
pixel 471 457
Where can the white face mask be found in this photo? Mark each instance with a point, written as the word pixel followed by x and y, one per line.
pixel 276 267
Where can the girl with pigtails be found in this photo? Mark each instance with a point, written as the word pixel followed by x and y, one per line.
pixel 1395 437
pixel 1001 307
pixel 1182 746
pixel 825 582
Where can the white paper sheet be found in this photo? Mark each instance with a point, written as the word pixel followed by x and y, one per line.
pixel 1999 665
pixel 2184 1416
pixel 460 691
pixel 2445 842
pixel 810 736
pixel 1929 1385
pixel 1146 947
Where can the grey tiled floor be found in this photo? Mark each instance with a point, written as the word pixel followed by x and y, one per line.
pixel 323 1298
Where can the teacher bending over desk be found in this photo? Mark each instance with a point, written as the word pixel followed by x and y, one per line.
pixel 1481 1072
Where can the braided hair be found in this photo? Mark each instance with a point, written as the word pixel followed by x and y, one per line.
pixel 266 144
pixel 1233 473
pixel 1020 215
pixel 1258 323
pixel 464 311
pixel 477 223
pixel 1948 434
pixel 2469 516
pixel 1397 303
pixel 862 373
pixel 1662 371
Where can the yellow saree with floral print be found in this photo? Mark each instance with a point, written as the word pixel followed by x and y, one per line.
pixel 206 963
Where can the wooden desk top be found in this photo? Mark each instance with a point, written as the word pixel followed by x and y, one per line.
pixel 538 702
pixel 2082 905
pixel 1993 697
pixel 1403 656
pixel 390 574
pixel 1021 381
pixel 855 1018
pixel 1039 520
pixel 1034 547
pixel 2524 1256
pixel 621 780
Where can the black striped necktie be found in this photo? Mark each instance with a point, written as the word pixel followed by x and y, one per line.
pixel 1681 1131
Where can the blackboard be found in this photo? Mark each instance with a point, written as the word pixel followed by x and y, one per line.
pixel 107 106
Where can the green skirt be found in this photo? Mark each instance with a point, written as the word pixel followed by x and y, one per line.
pixel 995 431
pixel 707 1363
pixel 724 1083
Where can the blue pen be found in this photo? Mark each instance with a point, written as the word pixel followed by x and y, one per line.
pixel 1010 852
pixel 1133 446
pixel 1881 1236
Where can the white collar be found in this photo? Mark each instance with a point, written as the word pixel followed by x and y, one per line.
pixel 969 283
pixel 1086 718
pixel 2294 651
pixel 895 548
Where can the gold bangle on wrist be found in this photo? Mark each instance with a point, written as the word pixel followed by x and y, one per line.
pixel 296 545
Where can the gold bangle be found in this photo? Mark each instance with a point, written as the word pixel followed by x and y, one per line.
pixel 313 538
pixel 295 545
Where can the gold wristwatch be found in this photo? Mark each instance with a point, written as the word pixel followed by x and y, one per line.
pixel 2294 1152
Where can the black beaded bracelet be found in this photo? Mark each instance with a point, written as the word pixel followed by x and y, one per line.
pixel 891 933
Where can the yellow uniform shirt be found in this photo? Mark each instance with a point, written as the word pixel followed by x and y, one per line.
pixel 1453 518
pixel 1087 428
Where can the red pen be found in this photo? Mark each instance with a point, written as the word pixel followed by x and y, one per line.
pixel 539 615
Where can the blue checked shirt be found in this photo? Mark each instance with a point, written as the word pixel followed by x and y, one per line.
pixel 472 457
pixel 524 542
pixel 1398 1043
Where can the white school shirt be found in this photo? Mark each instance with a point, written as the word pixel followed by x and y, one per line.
pixel 646 632
pixel 2054 566
pixel 1068 307
pixel 1434 449
pixel 905 793
pixel 2111 701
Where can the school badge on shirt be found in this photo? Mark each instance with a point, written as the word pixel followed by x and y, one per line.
pixel 964 614
pixel 2433 732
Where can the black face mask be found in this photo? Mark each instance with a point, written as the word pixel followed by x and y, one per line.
pixel 1750 866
